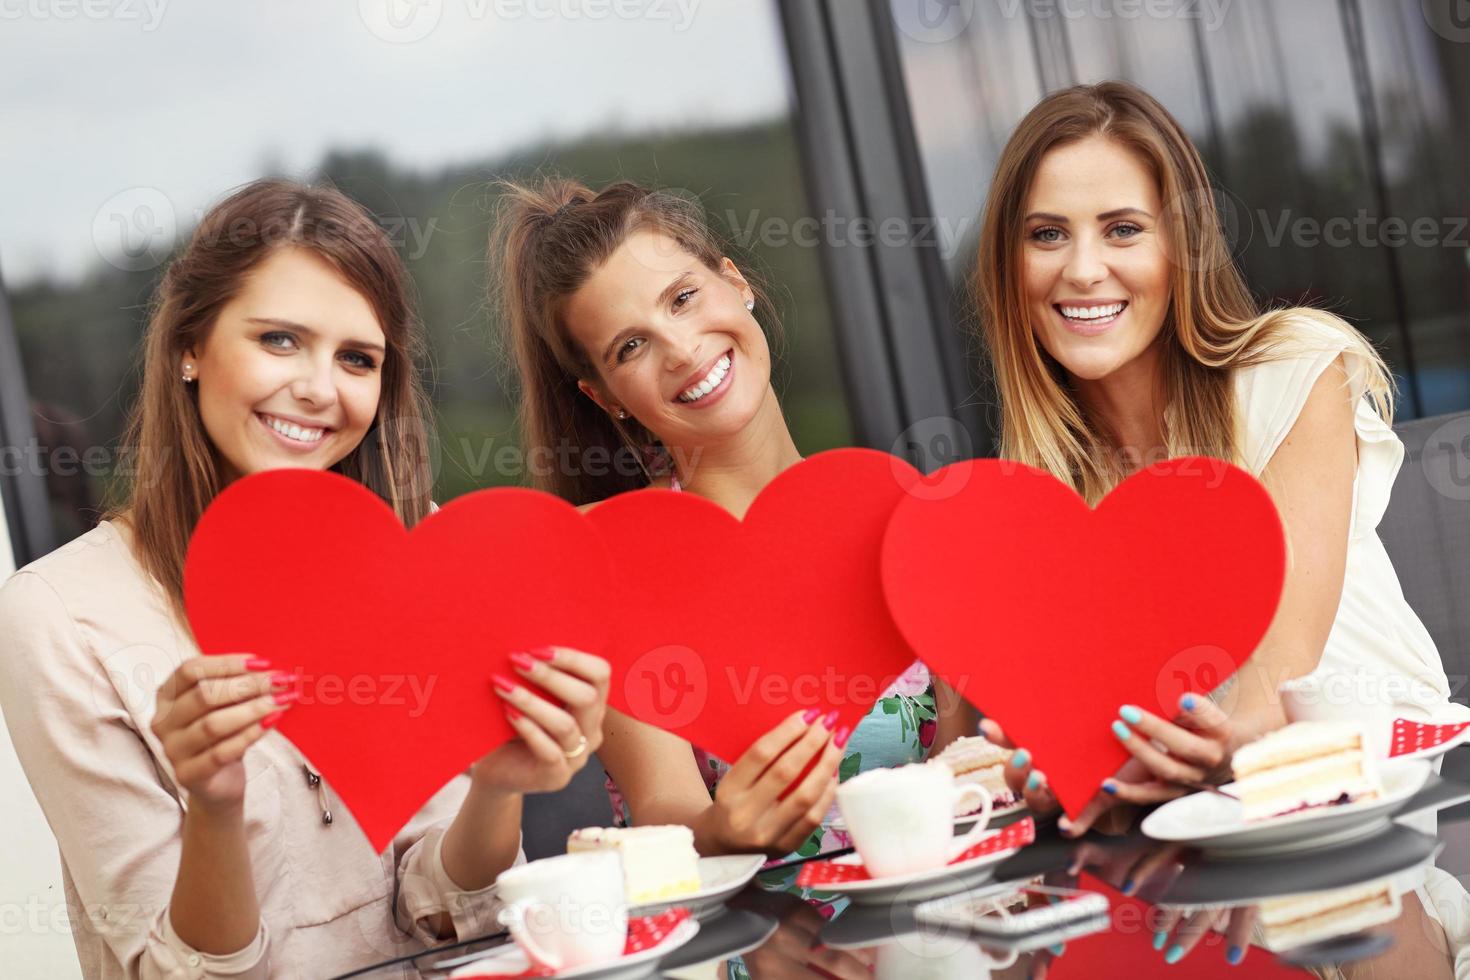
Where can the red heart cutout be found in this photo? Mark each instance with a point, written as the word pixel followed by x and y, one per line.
pixel 395 633
pixel 728 626
pixel 1049 615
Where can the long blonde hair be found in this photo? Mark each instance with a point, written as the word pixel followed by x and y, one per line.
pixel 1212 327
pixel 176 470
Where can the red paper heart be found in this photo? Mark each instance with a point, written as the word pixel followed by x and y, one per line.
pixel 395 633
pixel 1049 615
pixel 728 626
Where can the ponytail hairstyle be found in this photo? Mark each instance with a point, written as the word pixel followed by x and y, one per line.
pixel 175 471
pixel 1212 327
pixel 550 237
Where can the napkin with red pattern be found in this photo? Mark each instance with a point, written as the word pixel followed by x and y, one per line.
pixel 1410 737
pixel 824 874
pixel 645 932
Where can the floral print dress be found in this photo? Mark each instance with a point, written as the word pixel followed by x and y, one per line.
pixel 898 730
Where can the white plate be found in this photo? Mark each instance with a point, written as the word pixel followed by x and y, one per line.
pixel 1213 822
pixel 510 959
pixel 719 878
pixel 921 884
pixel 961 823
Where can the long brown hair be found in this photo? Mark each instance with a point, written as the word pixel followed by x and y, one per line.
pixel 1212 327
pixel 549 238
pixel 175 469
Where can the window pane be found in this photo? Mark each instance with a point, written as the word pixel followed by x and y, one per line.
pixel 1269 92
pixel 441 100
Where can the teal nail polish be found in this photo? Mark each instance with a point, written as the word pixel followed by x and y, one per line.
pixel 1160 938
pixel 1187 702
pixel 1020 758
pixel 1057 950
pixel 1121 730
pixel 1032 781
pixel 1130 714
pixel 1174 955
pixel 1234 956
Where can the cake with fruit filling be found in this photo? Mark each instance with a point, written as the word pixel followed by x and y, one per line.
pixel 1304 765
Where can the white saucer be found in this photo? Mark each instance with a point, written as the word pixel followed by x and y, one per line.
pixel 1211 821
pixel 719 877
pixel 510 960
pixel 919 885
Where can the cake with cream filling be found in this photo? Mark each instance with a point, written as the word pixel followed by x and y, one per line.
pixel 1303 919
pixel 659 862
pixel 1306 764
pixel 978 760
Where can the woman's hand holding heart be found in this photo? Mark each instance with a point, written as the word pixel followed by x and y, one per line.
pixel 1170 759
pixel 555 740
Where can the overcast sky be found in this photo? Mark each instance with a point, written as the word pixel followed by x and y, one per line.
pixel 165 104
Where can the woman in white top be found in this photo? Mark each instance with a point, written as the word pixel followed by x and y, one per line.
pixel 1121 334
pixel 196 842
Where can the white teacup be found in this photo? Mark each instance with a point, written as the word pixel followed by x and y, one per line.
pixel 901 820
pixel 922 956
pixel 566 911
pixel 1359 699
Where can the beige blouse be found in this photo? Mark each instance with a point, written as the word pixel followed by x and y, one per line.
pixel 88 639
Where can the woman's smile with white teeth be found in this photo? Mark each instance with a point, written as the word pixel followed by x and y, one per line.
pixel 710 382
pixel 291 430
pixel 1091 312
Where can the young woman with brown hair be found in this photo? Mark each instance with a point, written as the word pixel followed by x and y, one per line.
pixel 630 329
pixel 1120 334
pixel 195 842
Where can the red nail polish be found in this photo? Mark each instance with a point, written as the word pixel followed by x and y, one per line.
pixel 282 677
pixel 512 713
pixel 503 684
pixel 269 720
pixel 257 663
pixel 830 719
pixel 522 661
pixel 843 734
pixel 286 697
pixel 544 653
pixel 811 715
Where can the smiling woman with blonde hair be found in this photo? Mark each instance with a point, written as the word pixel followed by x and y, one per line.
pixel 1121 334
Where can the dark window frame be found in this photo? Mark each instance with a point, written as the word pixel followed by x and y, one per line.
pixel 27 511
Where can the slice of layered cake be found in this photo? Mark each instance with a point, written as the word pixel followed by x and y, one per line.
pixel 1302 919
pixel 976 759
pixel 659 862
pixel 1306 764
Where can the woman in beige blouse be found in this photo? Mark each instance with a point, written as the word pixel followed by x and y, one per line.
pixel 194 841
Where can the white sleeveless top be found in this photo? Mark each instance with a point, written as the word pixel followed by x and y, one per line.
pixel 1376 636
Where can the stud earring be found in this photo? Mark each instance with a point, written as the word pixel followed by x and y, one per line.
pixel 750 305
pixel 623 414
pixel 188 373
